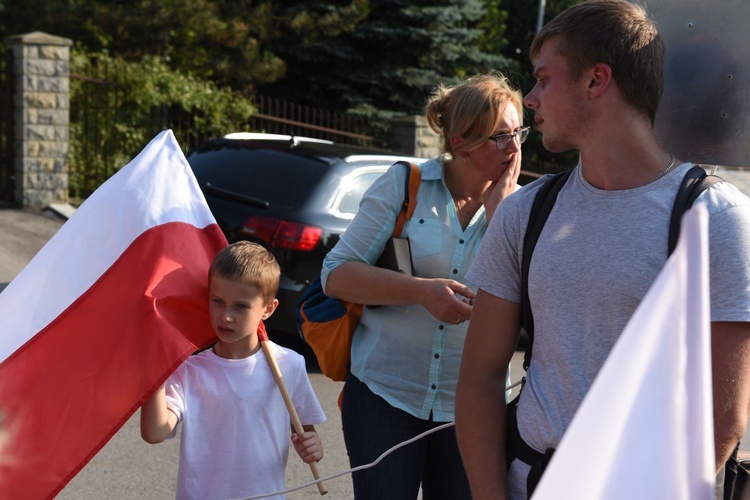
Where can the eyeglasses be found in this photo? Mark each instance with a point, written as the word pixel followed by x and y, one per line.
pixel 502 140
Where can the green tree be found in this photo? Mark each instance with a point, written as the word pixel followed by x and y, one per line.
pixel 360 55
pixel 389 63
pixel 371 58
pixel 57 17
pixel 117 106
pixel 493 27
pixel 225 41
pixel 221 41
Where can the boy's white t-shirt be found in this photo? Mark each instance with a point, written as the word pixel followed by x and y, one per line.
pixel 235 426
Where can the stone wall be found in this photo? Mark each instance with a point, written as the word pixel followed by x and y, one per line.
pixel 41 103
pixel 412 136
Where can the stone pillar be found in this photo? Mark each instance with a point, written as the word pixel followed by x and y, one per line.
pixel 411 135
pixel 41 116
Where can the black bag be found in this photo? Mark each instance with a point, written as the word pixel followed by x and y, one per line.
pixel 737 476
pixel 516 448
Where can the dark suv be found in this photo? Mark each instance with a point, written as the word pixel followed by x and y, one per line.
pixel 293 195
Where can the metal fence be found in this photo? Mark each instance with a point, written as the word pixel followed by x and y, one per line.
pixel 102 138
pixel 96 107
pixel 276 116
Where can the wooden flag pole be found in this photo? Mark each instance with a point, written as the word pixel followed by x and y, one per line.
pixel 296 422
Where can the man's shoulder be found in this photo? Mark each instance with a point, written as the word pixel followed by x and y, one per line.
pixel 738 177
pixel 722 196
pixel 533 187
pixel 523 198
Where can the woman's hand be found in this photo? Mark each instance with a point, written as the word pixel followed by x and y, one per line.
pixel 502 187
pixel 448 300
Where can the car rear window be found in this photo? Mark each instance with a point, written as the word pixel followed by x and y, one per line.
pixel 279 177
pixel 348 202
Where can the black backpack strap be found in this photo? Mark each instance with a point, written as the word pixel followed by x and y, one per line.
pixel 693 184
pixel 515 446
pixel 540 210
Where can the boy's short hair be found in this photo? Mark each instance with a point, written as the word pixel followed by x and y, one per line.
pixel 617 33
pixel 250 264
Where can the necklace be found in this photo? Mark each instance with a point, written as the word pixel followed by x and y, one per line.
pixel 464 211
pixel 666 169
pixel 459 213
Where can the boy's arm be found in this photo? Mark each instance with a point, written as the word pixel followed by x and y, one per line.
pixel 308 446
pixel 157 421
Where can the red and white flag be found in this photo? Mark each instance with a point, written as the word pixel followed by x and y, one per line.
pixel 645 428
pixel 101 316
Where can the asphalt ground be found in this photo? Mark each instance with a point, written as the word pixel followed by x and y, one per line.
pixel 127 467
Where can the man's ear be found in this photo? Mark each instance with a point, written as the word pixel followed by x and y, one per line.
pixel 270 308
pixel 600 79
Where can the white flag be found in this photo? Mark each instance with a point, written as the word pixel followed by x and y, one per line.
pixel 645 428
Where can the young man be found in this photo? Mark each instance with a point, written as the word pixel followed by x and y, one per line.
pixel 235 425
pixel 598 67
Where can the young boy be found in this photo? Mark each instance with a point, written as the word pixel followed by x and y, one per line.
pixel 235 426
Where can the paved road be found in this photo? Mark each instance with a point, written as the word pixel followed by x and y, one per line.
pixel 22 234
pixel 128 468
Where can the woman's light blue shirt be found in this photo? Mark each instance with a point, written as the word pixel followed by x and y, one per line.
pixel 403 353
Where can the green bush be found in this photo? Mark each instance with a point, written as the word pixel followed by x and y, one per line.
pixel 117 107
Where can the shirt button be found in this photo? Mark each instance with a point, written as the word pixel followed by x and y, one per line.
pixel 441 327
pixel 421 221
pixel 437 356
pixel 461 242
pixel 434 387
pixel 455 271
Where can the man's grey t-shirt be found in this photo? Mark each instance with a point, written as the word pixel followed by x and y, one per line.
pixel 596 258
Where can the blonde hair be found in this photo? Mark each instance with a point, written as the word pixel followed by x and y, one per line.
pixel 250 264
pixel 471 109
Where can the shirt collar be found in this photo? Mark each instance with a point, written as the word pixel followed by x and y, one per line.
pixel 432 169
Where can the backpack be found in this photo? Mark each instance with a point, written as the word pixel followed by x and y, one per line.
pixel 737 475
pixel 327 324
pixel 693 184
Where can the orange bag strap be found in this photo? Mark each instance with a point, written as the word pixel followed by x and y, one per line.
pixel 413 178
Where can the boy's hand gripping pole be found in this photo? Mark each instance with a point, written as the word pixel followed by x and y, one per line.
pixel 296 423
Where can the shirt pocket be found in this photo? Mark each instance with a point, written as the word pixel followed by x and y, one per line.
pixel 425 236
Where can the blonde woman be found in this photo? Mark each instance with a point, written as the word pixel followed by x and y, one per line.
pixel 406 353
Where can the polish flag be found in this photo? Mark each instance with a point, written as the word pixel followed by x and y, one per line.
pixel 645 428
pixel 101 316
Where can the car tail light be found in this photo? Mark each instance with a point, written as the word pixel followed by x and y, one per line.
pixel 282 234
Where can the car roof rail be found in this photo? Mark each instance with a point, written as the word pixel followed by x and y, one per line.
pixel 384 157
pixel 294 139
